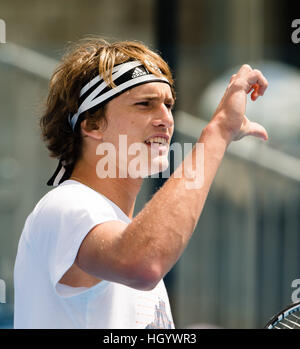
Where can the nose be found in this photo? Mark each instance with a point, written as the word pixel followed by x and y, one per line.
pixel 163 117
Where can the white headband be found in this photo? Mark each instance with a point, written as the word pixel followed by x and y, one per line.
pixel 124 76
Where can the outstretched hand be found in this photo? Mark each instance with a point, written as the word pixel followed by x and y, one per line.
pixel 230 113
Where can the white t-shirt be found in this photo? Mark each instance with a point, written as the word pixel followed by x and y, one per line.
pixel 48 246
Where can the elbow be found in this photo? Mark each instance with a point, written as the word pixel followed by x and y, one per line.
pixel 145 278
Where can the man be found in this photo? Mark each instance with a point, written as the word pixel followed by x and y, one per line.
pixel 83 260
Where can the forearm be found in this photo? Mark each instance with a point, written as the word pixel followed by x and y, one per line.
pixel 160 232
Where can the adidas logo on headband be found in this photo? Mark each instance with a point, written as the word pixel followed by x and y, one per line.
pixel 138 72
pixel 96 93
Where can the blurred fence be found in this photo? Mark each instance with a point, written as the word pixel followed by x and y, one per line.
pixel 24 162
pixel 238 269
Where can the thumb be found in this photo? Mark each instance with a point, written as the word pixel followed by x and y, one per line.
pixel 250 128
pixel 257 130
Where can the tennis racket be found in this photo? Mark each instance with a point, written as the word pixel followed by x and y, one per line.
pixel 288 318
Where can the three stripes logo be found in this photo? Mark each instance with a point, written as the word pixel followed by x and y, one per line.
pixel 138 72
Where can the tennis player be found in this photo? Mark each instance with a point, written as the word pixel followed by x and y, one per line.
pixel 83 260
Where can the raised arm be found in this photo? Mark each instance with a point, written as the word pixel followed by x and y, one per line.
pixel 141 253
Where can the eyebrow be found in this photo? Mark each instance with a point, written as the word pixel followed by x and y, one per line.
pixel 154 97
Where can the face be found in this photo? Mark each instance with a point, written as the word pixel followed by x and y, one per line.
pixel 143 116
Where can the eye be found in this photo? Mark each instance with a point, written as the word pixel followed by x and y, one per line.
pixel 169 105
pixel 144 103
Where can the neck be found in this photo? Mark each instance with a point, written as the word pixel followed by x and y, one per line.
pixel 121 191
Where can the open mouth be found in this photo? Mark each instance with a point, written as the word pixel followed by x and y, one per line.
pixel 159 143
pixel 157 140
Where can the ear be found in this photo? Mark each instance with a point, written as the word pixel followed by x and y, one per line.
pixel 95 134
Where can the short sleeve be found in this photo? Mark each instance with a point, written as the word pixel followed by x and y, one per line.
pixel 62 220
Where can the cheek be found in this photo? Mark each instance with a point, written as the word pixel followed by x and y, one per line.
pixel 171 131
pixel 113 130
